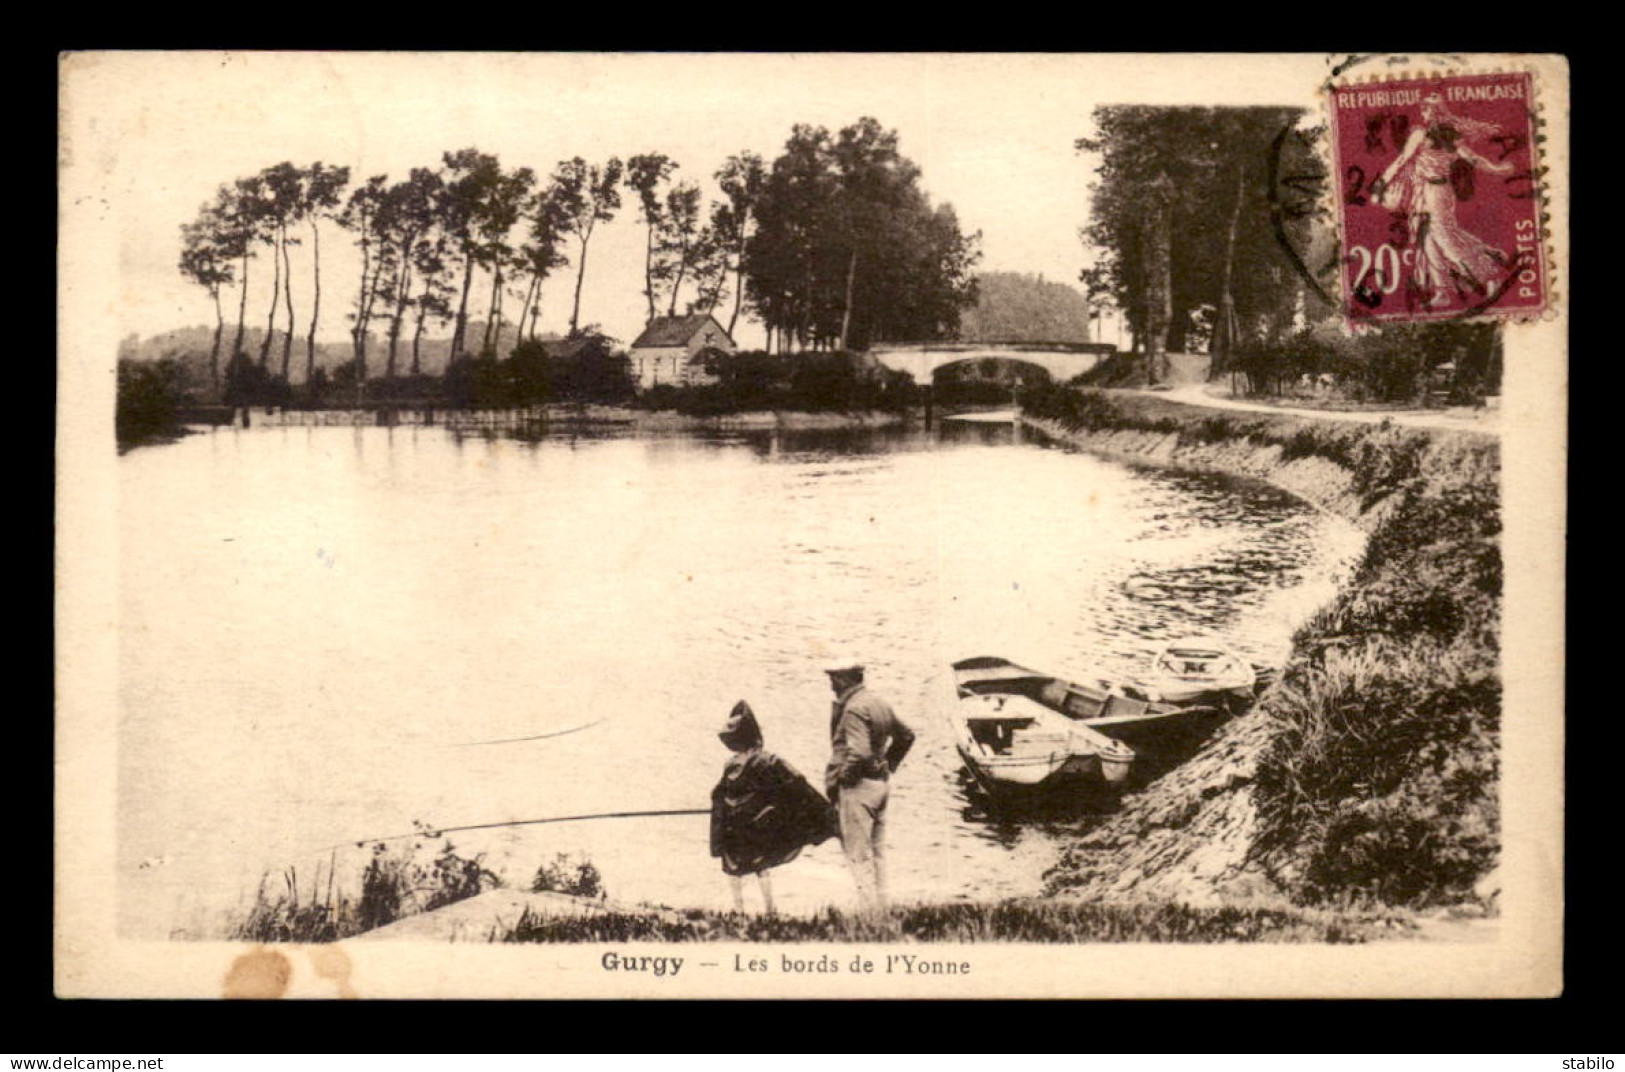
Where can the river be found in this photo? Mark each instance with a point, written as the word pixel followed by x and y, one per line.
pixel 330 634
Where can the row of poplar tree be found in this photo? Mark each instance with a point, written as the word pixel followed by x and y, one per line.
pixel 832 246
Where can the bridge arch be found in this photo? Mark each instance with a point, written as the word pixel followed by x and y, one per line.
pixel 921 360
pixel 1025 369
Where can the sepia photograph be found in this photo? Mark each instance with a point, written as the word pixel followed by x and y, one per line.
pixel 810 525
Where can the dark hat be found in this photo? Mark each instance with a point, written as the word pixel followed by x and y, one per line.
pixel 741 731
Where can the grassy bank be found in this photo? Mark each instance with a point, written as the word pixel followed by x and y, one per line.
pixel 401 883
pixel 1018 920
pixel 398 881
pixel 1377 780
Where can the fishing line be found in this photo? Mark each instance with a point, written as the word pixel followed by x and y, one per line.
pixel 437 831
pixel 536 737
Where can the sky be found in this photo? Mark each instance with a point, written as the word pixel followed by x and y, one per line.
pixel 148 137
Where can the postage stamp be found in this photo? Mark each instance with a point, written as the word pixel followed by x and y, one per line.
pixel 1438 198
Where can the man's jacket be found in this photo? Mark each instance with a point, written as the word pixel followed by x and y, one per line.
pixel 867 739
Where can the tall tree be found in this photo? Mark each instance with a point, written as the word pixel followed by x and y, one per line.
pixel 360 216
pixel 847 247
pixel 267 231
pixel 432 263
pixel 240 211
pixel 206 259
pixel 646 175
pixel 711 263
pixel 541 252
pixel 782 255
pixel 1180 221
pixel 284 207
pixel 683 226
pixel 471 178
pixel 323 189
pixel 875 187
pixel 742 178
pixel 501 211
pixel 1159 289
pixel 587 195
pixel 1225 329
pixel 406 216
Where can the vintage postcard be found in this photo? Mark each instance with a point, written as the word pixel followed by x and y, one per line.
pixel 811 525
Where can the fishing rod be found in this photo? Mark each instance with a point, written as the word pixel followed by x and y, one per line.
pixel 437 831
pixel 534 737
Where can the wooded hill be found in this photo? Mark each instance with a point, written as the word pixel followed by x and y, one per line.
pixel 190 346
pixel 1017 307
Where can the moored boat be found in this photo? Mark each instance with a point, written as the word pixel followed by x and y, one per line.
pixel 1159 734
pixel 1202 671
pixel 1010 742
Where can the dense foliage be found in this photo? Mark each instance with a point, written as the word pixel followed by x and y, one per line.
pixel 1181 217
pixel 149 394
pixel 849 250
pixel 537 372
pixel 814 382
pixel 1398 363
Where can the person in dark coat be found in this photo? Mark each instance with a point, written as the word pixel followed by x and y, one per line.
pixel 763 812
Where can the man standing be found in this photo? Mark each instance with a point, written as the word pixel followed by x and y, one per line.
pixel 867 743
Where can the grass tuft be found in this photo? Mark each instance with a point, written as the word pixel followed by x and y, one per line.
pixel 1019 920
pixel 397 882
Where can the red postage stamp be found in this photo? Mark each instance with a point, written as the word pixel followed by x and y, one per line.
pixel 1438 191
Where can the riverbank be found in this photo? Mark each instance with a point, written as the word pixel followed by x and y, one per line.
pixel 562 414
pixel 1010 920
pixel 1370 773
pixel 1485 419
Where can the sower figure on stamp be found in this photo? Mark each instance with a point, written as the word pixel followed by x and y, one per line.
pixel 867 743
pixel 762 811
pixel 1423 185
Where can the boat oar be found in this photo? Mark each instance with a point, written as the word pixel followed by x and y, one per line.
pixel 437 831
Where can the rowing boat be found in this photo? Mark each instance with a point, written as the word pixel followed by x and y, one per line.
pixel 1019 726
pixel 1201 671
pixel 1011 742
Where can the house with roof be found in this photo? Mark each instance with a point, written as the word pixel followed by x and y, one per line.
pixel 563 347
pixel 677 349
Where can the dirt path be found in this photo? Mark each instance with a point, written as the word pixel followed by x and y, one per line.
pixel 1188 375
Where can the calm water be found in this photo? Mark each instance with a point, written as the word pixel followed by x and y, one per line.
pixel 329 634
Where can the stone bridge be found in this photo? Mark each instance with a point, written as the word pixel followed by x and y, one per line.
pixel 1063 360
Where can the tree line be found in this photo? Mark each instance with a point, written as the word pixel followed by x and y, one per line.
pixel 1181 217
pixel 1194 250
pixel 832 245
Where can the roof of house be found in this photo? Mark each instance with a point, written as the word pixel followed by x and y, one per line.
pixel 567 347
pixel 676 330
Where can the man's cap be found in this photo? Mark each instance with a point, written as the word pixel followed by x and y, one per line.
pixel 843 664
